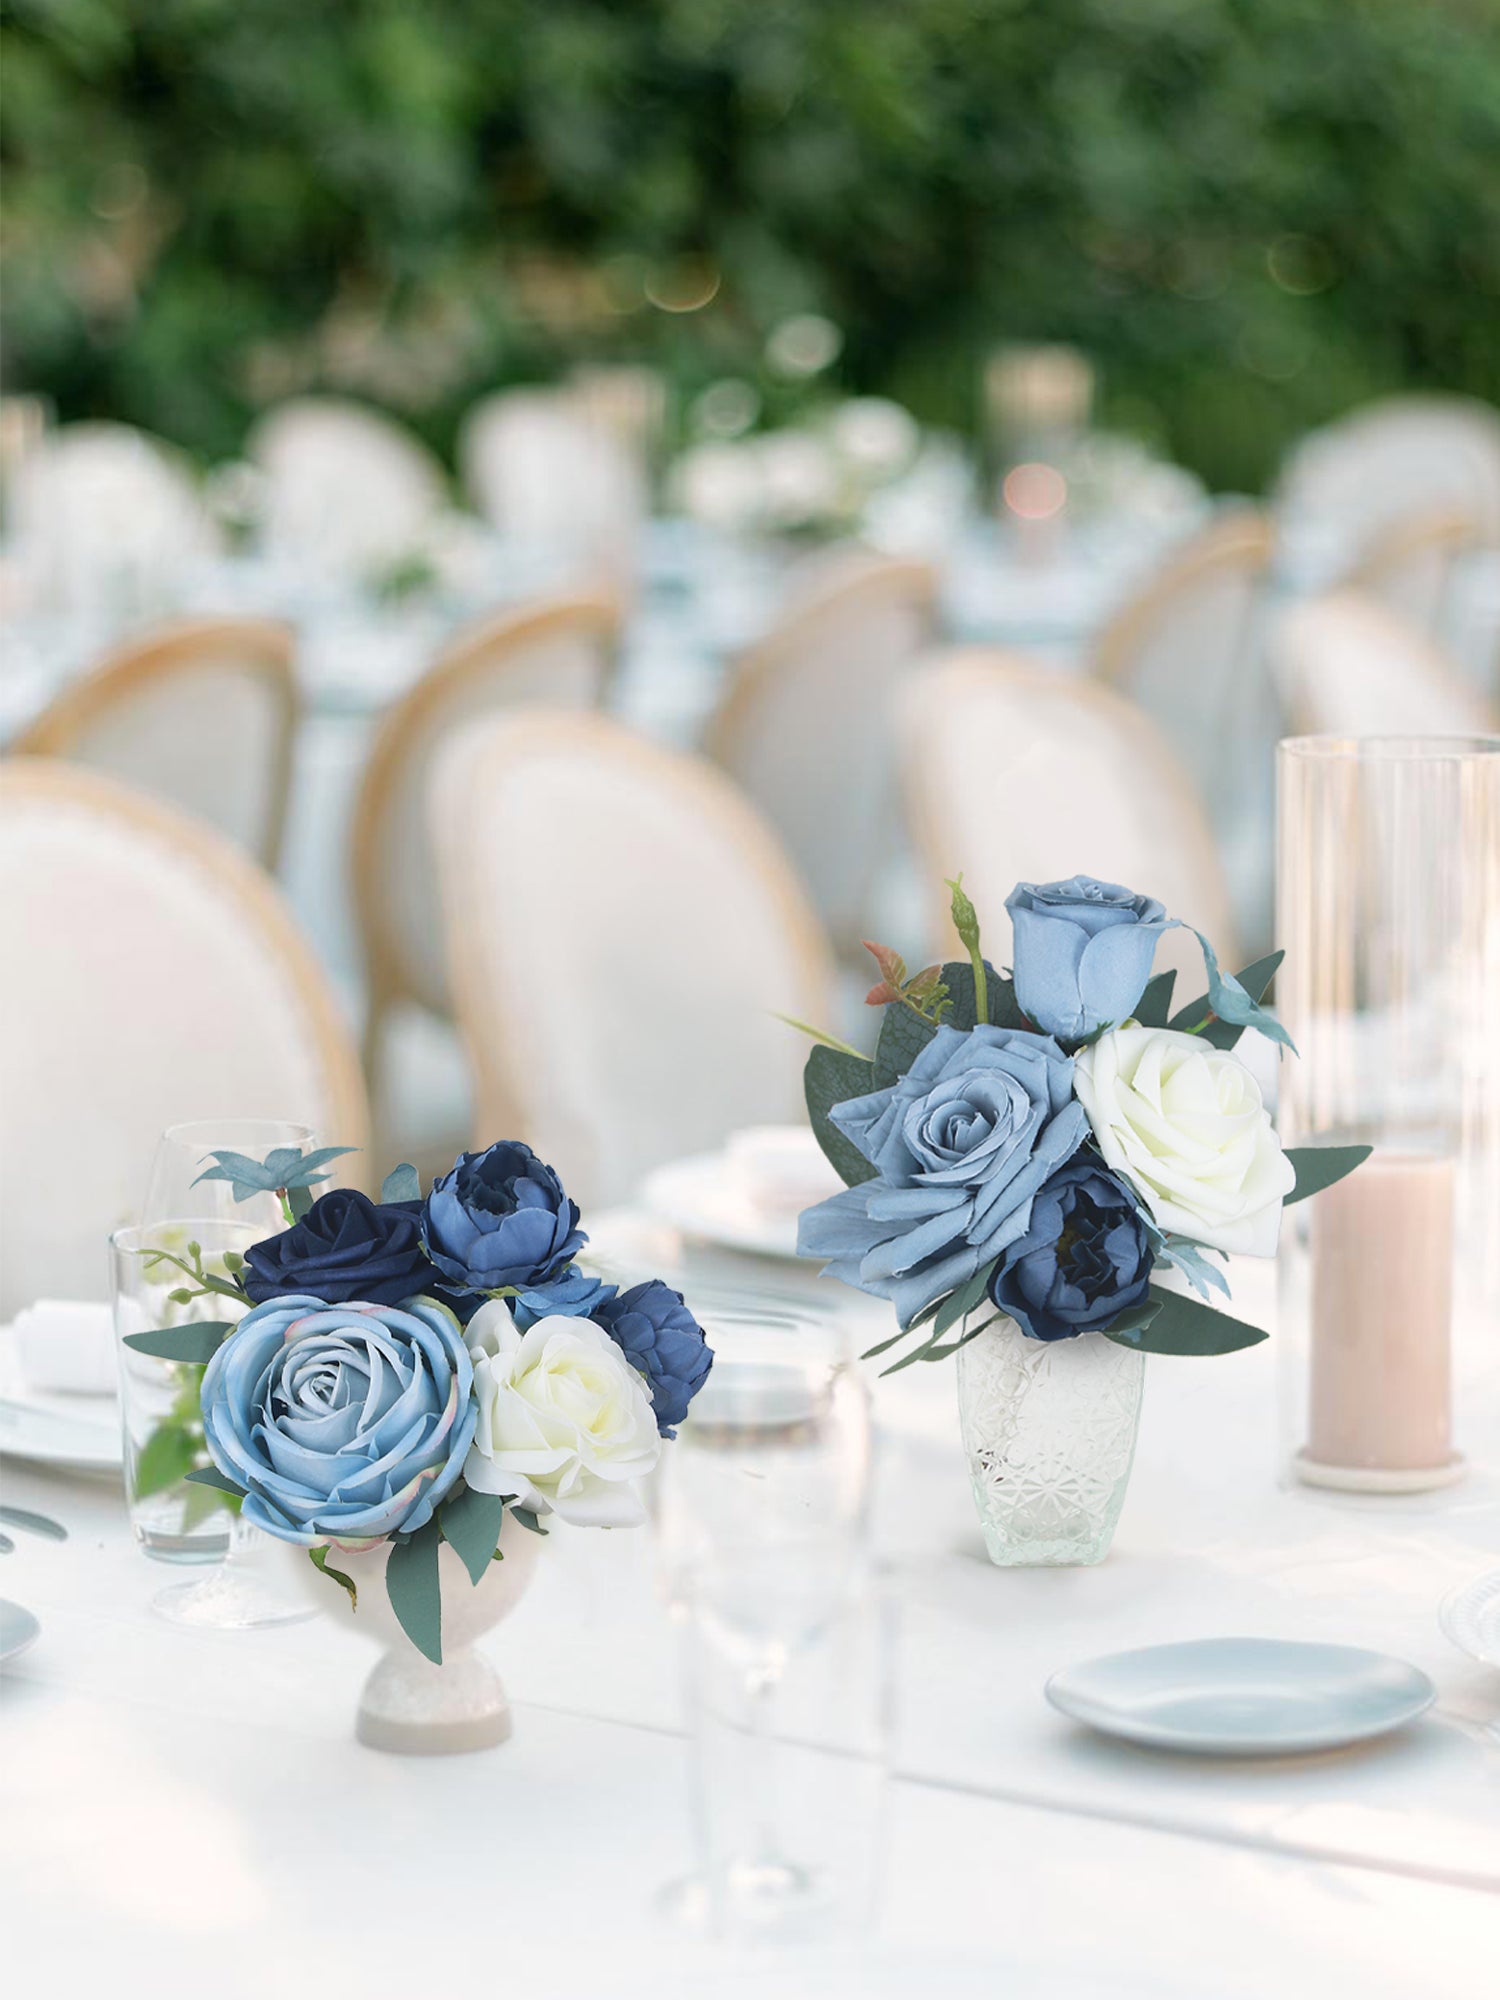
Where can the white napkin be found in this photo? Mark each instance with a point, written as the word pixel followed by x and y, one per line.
pixel 68 1346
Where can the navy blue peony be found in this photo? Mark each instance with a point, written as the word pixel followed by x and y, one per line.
pixel 963 1142
pixel 1085 1258
pixel 664 1342
pixel 500 1218
pixel 345 1247
pixel 1083 952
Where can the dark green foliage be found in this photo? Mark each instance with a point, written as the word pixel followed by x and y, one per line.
pixel 1254 212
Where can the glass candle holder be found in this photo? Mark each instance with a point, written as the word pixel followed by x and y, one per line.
pixel 1388 909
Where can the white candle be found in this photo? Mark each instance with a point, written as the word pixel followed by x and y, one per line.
pixel 1382 1302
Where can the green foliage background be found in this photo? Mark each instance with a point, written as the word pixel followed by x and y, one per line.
pixel 1253 212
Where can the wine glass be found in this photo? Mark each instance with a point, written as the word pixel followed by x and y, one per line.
pixel 761 1517
pixel 176 1193
pixel 186 1222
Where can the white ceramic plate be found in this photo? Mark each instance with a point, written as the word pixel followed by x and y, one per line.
pixel 1243 1697
pixel 705 1198
pixel 73 1433
pixel 18 1627
pixel 1471 1618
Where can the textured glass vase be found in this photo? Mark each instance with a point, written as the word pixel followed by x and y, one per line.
pixel 1049 1428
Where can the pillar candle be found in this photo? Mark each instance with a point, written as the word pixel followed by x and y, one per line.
pixel 1382 1298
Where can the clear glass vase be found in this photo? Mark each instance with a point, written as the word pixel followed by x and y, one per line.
pixel 1049 1428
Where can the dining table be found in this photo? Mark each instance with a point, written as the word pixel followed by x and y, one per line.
pixel 188 1811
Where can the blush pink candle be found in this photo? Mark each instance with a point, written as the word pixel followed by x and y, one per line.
pixel 1382 1302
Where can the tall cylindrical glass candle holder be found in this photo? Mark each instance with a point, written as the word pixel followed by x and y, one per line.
pixel 1388 909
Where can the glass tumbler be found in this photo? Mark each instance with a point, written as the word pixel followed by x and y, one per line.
pixel 1388 909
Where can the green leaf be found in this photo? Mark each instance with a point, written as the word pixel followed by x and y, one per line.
pixel 165 1460
pixel 885 1346
pixel 1152 1007
pixel 319 1559
pixel 402 1183
pixel 1004 1011
pixel 830 1078
pixel 817 1035
pixel 965 1298
pixel 411 1583
pixel 471 1523
pixel 1223 1034
pixel 201 1502
pixel 210 1475
pixel 1186 1326
pixel 298 1200
pixel 528 1519
pixel 198 1341
pixel 306 1171
pixel 1132 1321
pixel 903 1036
pixel 1318 1167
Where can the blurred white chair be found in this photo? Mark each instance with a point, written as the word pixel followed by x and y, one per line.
pixel 805 727
pixel 1399 459
pixel 348 491
pixel 1016 773
pixel 553 473
pixel 623 930
pixel 106 520
pixel 1187 648
pixel 558 655
pixel 201 713
pixel 1413 565
pixel 1349 667
pixel 154 975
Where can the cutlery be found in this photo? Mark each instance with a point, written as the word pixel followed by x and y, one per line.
pixel 36 1524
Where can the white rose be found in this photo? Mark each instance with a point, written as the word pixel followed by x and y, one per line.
pixel 565 1423
pixel 1184 1123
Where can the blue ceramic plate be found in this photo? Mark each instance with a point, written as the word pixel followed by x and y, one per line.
pixel 1243 1697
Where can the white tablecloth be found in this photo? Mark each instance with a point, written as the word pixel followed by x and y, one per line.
pixel 188 1811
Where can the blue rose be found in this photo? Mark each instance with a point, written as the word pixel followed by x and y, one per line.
pixel 342 1423
pixel 575 1295
pixel 962 1142
pixel 500 1218
pixel 664 1342
pixel 1083 952
pixel 345 1247
pixel 1085 1259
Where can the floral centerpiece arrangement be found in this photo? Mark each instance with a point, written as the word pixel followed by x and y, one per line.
pixel 1026 1155
pixel 407 1371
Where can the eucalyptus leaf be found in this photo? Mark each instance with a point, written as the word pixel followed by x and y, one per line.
pixel 1003 1010
pixel 528 1519
pixel 319 1559
pixel 471 1524
pixel 828 1078
pixel 411 1583
pixel 1233 996
pixel 198 1341
pixel 965 1298
pixel 402 1183
pixel 1186 1326
pixel 903 1036
pixel 210 1475
pixel 1318 1167
pixel 1154 1005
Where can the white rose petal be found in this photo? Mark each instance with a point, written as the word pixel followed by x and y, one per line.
pixel 566 1424
pixel 1185 1125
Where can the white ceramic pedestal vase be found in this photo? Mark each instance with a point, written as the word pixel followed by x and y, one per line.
pixel 410 1705
pixel 1049 1427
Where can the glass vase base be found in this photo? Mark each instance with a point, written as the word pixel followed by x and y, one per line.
pixel 1061 1551
pixel 1380 1479
pixel 768 1899
pixel 225 1601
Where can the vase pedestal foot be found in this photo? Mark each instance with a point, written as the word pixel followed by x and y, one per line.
pixel 414 1709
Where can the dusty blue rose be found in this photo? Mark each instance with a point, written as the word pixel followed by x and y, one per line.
pixel 342 1423
pixel 962 1143
pixel 1084 1260
pixel 1083 952
pixel 500 1218
pixel 664 1342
